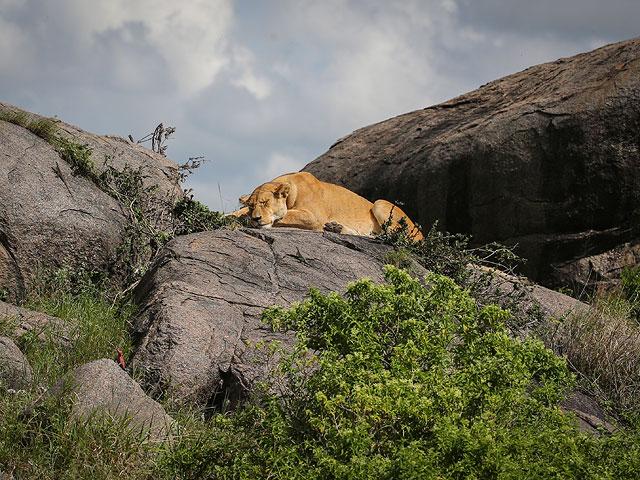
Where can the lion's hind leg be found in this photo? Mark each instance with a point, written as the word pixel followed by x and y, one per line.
pixel 384 211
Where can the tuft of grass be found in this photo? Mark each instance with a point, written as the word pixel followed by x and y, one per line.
pixel 44 128
pixel 603 346
pixel 95 324
pixel 17 118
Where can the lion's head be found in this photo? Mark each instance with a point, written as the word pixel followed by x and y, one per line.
pixel 267 204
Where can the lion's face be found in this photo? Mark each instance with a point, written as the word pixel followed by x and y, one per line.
pixel 267 204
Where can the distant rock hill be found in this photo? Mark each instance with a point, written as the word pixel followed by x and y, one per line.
pixel 547 159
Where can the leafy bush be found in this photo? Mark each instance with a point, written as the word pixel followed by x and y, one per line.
pixel 191 217
pixel 403 381
pixel 630 278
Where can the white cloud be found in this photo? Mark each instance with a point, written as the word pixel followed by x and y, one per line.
pixel 245 77
pixel 370 60
pixel 15 50
pixel 279 164
pixel 192 42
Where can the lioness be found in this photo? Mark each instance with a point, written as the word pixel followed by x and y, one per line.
pixel 300 200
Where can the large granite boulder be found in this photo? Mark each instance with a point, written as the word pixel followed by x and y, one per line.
pixel 198 325
pixel 546 159
pixel 50 217
pixel 200 304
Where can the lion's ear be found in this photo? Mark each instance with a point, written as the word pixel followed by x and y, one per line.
pixel 283 190
pixel 243 200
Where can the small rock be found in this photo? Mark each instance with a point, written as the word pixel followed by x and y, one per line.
pixel 102 386
pixel 15 371
pixel 44 327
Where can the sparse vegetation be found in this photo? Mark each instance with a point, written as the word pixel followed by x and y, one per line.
pixel 449 254
pixel 603 346
pixel 158 138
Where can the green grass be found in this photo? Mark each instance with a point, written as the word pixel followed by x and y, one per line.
pixel 46 444
pixel 602 345
pixel 44 128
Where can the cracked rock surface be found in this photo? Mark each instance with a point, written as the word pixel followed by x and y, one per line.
pixel 200 304
pixel 547 159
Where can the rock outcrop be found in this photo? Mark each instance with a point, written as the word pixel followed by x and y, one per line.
pixel 546 159
pixel 200 304
pixel 50 217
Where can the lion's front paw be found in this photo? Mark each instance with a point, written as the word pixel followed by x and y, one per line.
pixel 334 227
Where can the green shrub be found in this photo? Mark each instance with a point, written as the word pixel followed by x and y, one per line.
pixel 630 278
pixel 191 217
pixel 403 381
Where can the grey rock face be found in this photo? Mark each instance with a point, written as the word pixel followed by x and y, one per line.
pixel 546 159
pixel 156 169
pixel 199 321
pixel 103 387
pixel 15 371
pixel 47 221
pixel 200 304
pixel 50 217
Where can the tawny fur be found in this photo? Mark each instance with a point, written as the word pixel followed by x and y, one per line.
pixel 300 200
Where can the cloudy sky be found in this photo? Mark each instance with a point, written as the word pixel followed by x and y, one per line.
pixel 262 87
